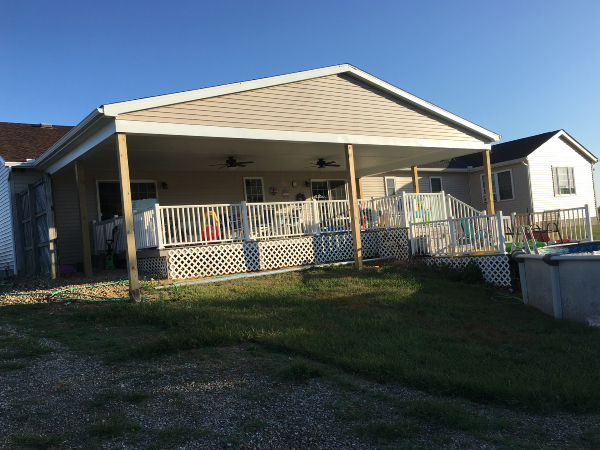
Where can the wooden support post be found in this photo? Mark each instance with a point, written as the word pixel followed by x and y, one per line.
pixel 415 179
pixel 353 200
pixel 487 181
pixel 51 226
pixel 83 219
pixel 132 270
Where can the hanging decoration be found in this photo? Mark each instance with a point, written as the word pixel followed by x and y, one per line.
pixel 286 193
pixel 300 197
pixel 273 191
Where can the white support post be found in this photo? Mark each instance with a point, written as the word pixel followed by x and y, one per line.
pixel 444 210
pixel 502 241
pixel 316 222
pixel 246 221
pixel 159 228
pixel 588 223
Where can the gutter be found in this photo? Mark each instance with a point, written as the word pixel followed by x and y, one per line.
pixel 60 145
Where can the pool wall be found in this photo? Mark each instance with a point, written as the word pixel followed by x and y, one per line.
pixel 562 286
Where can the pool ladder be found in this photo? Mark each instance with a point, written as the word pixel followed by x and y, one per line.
pixel 521 232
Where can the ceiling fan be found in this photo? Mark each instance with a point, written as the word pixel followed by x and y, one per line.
pixel 231 163
pixel 321 164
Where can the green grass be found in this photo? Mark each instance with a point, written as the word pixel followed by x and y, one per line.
pixel 37 441
pixel 392 324
pixel 596 232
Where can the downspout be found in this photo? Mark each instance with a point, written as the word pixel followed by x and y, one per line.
pixel 526 162
pixel 595 200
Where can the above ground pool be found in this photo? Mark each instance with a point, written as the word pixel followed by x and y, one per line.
pixel 562 280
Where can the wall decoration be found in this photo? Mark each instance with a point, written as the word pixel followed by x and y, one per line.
pixel 300 197
pixel 286 193
pixel 273 191
pixel 307 183
pixel 294 183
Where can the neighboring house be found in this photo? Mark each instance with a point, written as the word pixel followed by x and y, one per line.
pixel 20 145
pixel 537 173
pixel 174 148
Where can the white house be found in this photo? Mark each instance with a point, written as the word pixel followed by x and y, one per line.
pixel 538 173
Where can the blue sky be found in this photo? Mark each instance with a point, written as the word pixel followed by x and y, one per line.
pixel 516 67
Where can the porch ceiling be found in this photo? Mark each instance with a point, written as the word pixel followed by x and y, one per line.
pixel 199 154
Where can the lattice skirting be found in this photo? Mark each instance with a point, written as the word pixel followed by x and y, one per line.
pixel 153 266
pixel 495 268
pixel 222 259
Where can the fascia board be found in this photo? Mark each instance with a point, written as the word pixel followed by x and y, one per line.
pixel 72 134
pixel 114 109
pixel 503 163
pixel 173 129
pixel 578 146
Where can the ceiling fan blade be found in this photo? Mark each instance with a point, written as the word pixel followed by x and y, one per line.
pixel 332 165
pixel 245 162
pixel 240 165
pixel 214 165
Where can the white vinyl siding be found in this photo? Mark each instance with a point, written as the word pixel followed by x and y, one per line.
pixel 454 183
pixel 7 256
pixel 336 104
pixel 558 153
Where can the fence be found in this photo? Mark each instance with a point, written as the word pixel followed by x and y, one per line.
pixel 554 225
pixel 465 235
pixel 458 208
pixel 144 225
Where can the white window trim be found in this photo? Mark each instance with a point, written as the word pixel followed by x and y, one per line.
pixel 262 185
pixel 385 186
pixel 118 181
pixel 329 188
pixel 494 175
pixel 555 181
pixel 441 184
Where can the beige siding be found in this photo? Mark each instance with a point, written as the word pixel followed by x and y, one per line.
pixel 453 183
pixel 558 153
pixel 521 202
pixel 184 188
pixel 332 104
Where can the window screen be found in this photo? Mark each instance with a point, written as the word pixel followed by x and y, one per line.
pixel 564 181
pixel 390 185
pixel 329 189
pixel 254 190
pixel 436 184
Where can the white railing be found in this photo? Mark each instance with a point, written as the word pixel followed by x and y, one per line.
pixel 457 208
pixel 144 225
pixel 267 220
pixel 425 207
pixel 198 224
pixel 383 212
pixel 465 235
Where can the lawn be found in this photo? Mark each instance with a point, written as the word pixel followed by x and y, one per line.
pixel 392 324
pixel 596 232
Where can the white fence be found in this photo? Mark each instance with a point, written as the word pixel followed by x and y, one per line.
pixel 458 208
pixel 465 235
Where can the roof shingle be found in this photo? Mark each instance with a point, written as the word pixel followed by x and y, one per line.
pixel 22 141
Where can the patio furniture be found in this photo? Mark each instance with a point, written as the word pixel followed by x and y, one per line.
pixel 550 224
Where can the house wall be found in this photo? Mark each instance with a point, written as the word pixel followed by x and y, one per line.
pixel 7 255
pixel 453 183
pixel 184 188
pixel 331 104
pixel 556 152
pixel 521 202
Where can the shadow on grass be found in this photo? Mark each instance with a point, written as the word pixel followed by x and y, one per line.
pixel 389 324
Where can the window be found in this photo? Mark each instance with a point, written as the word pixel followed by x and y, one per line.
pixel 390 185
pixel 253 188
pixel 502 186
pixel 329 189
pixel 435 184
pixel 143 196
pixel 564 180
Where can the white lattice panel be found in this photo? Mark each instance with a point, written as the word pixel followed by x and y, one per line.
pixel 495 268
pixel 286 253
pixel 222 259
pixel 153 266
pixel 209 260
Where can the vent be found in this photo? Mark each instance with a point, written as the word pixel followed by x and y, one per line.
pixel 43 125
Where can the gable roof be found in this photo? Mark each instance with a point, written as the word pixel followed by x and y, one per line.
pixel 22 141
pixel 509 151
pixel 114 109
